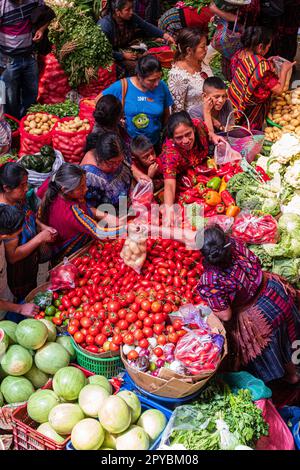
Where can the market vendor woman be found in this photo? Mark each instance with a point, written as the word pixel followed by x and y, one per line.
pixel 258 309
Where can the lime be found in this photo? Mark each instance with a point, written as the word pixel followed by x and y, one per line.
pixel 50 310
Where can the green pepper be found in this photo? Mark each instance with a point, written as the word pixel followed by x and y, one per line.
pixel 214 183
pixel 47 151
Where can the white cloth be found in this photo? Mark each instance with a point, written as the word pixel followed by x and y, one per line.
pixel 186 88
pixel 5 293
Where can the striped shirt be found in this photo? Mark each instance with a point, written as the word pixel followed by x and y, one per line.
pixel 16 27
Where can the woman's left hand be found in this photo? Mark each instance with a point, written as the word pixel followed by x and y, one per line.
pixel 217 139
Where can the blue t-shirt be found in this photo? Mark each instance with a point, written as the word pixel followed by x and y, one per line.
pixel 143 110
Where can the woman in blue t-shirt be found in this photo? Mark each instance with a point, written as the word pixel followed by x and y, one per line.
pixel 147 100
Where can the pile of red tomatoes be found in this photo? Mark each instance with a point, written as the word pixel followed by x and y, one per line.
pixel 113 305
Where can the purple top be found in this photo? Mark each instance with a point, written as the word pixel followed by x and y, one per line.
pixel 238 284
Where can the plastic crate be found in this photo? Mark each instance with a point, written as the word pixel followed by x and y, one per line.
pixel 109 367
pixel 25 432
pixel 146 405
pixel 170 403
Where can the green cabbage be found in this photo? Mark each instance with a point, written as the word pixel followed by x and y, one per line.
pixel 289 223
pixel 288 268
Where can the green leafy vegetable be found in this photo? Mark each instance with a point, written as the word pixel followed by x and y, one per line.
pixel 61 110
pixel 288 268
pixel 265 259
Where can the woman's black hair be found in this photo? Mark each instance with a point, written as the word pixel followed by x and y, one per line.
pixel 256 35
pixel 67 178
pixel 188 38
pixel 181 117
pixel 108 146
pixel 118 5
pixel 214 247
pixel 11 219
pixel 146 65
pixel 108 112
pixel 11 175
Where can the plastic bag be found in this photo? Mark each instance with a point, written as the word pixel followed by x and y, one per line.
pixel 199 350
pixel 255 230
pixel 64 276
pixel 43 299
pixel 5 136
pixel 37 179
pixel 224 153
pixel 86 109
pixel 31 143
pixel 278 63
pixel 228 440
pixel 280 437
pixel 244 380
pixel 106 77
pixel 53 81
pixel 223 221
pixel 134 251
pixel 142 194
pixel 70 144
pixel 190 315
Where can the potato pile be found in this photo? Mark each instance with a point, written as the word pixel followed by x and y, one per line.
pixel 39 123
pixel 285 111
pixel 74 125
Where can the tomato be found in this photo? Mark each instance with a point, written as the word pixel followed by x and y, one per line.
pixel 92 348
pixel 181 333
pixel 146 305
pixel 79 337
pixel 98 306
pixel 177 325
pixel 158 329
pixel 129 339
pixel 170 329
pixel 93 330
pixel 123 324
pixel 148 322
pixel 158 318
pixel 107 330
pixel 86 322
pixel 66 303
pixel 161 339
pixel 156 306
pixel 142 315
pixel 122 313
pixel 143 343
pixel 114 347
pixel 167 308
pixel 130 297
pixel 138 324
pixel 117 339
pixel 173 337
pixel 138 335
pixel 148 332
pixel 131 317
pixel 74 322
pixel 158 352
pixel 100 339
pixel 57 321
pixel 113 317
pixel 132 355
pixel 135 307
pixel 90 339
pixel 113 306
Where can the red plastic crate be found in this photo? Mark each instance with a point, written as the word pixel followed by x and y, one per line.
pixel 25 434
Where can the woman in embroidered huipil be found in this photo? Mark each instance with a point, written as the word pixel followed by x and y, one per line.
pixel 258 309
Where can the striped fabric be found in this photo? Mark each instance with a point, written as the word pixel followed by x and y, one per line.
pixel 16 27
pixel 250 89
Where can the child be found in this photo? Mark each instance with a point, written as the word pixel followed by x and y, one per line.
pixel 11 223
pixel 216 107
pixel 144 164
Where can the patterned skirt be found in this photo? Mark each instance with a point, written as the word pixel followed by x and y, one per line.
pixel 263 335
pixel 171 21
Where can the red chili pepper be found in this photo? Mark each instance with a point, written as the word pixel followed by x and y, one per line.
pixel 262 173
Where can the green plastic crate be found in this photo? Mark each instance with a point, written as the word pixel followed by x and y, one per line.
pixel 109 367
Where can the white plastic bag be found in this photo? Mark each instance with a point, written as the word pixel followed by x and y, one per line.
pixel 224 153
pixel 134 252
pixel 37 179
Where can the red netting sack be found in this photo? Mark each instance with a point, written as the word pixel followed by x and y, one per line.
pixel 106 76
pixel 69 137
pixel 86 109
pixel 53 83
pixel 35 132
